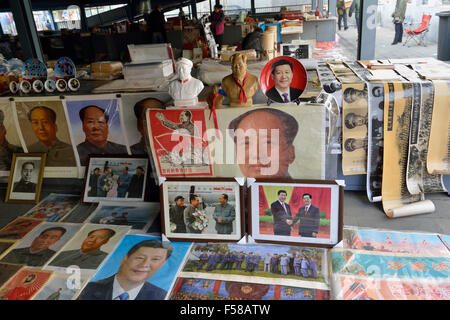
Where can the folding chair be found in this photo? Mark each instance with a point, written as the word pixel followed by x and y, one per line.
pixel 418 34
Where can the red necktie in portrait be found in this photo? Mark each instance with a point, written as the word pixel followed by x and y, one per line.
pixel 306 211
pixel 284 207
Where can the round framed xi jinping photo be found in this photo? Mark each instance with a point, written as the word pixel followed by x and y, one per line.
pixel 283 79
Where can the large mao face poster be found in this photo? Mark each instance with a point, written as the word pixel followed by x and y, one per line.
pixel 179 142
pixel 276 142
pixel 96 126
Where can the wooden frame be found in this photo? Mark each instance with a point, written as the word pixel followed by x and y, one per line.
pixel 34 157
pixel 339 209
pixel 85 199
pixel 240 228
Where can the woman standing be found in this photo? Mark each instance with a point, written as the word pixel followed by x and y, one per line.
pixel 218 24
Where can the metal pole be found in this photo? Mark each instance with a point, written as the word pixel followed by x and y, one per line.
pixel 332 8
pixel 367 29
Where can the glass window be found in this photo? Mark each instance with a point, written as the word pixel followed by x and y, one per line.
pixel 67 19
pixel 43 20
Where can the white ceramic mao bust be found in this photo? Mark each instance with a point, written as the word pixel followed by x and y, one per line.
pixel 185 89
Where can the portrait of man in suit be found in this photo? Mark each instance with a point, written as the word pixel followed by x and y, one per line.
pixel 95 127
pixel 281 153
pixel 139 111
pixel 282 216
pixel 141 262
pixel 25 183
pixel 282 73
pixel 351 95
pixel 43 123
pixel 309 216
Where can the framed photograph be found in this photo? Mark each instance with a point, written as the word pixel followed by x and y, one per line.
pixel 296 211
pixel 25 180
pixel 202 209
pixel 139 216
pixel 115 178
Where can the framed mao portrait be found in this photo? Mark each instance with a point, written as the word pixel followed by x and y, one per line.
pixel 296 211
pixel 26 176
pixel 283 79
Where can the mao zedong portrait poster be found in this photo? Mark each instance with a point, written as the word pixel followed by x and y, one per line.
pixel 140 268
pixel 283 79
pixel 44 128
pixel 96 128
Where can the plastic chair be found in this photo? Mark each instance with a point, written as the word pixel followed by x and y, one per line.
pixel 418 34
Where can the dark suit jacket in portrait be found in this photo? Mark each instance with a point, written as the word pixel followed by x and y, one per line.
pixel 280 227
pixel 308 223
pixel 102 290
pixel 136 186
pixel 273 94
pixel 23 186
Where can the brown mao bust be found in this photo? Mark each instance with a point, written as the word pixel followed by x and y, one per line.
pixel 239 86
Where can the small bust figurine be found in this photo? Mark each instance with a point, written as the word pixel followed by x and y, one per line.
pixel 240 86
pixel 185 89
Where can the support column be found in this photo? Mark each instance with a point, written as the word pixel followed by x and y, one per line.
pixel 194 10
pixel 332 8
pixel 26 29
pixel 83 19
pixel 252 6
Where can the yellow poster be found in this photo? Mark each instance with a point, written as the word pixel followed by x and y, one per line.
pixel 397 120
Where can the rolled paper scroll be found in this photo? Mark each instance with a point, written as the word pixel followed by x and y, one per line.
pixel 424 206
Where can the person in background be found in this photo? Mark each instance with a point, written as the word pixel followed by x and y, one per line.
pixel 156 22
pixel 253 39
pixel 267 262
pixel 399 17
pixel 181 14
pixel 218 24
pixel 342 14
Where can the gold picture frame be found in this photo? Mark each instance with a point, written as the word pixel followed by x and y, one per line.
pixel 25 187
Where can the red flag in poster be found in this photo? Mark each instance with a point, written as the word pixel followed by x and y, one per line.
pixel 321 198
